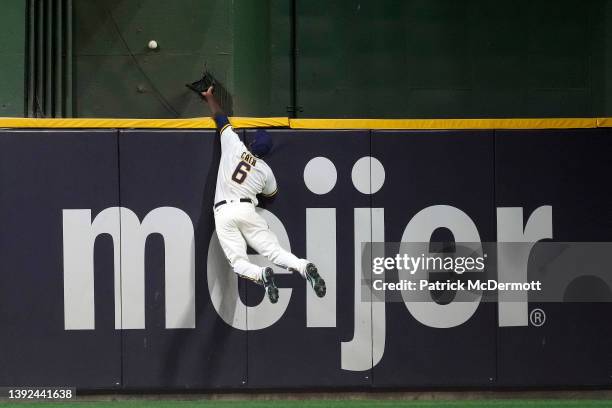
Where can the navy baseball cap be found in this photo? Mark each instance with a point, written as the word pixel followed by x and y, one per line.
pixel 261 143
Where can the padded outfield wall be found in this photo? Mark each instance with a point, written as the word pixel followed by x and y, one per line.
pixel 113 279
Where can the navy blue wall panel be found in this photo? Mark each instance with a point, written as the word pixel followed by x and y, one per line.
pixel 290 353
pixel 184 321
pixel 422 170
pixel 177 169
pixel 43 173
pixel 568 170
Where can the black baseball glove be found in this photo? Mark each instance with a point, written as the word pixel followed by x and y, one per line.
pixel 202 84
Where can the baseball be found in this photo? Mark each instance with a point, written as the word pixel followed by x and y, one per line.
pixel 152 44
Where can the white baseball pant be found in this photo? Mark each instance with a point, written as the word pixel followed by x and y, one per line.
pixel 237 225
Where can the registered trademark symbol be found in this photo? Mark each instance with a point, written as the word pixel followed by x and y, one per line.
pixel 537 317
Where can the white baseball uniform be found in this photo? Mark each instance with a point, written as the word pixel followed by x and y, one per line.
pixel 243 176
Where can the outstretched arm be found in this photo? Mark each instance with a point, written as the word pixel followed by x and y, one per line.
pixel 215 109
pixel 229 138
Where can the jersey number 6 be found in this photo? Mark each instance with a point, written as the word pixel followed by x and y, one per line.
pixel 240 174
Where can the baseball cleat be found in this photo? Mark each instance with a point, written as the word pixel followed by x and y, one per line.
pixel 316 281
pixel 267 278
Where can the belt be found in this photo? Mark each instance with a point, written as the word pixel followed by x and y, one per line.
pixel 242 200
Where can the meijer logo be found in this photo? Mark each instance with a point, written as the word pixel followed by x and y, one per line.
pixel 367 346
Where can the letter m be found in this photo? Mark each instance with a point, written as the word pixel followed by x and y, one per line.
pixel 129 238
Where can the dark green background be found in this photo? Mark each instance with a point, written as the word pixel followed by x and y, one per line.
pixel 355 58
pixel 12 57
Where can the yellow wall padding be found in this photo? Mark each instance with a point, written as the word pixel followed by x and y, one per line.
pixel 331 124
pixel 604 122
pixel 422 124
pixel 195 123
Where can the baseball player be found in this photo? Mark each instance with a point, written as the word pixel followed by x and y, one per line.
pixel 242 176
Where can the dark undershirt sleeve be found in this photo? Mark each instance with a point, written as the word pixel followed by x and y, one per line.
pixel 221 121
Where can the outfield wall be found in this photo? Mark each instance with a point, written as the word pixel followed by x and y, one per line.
pixel 112 277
